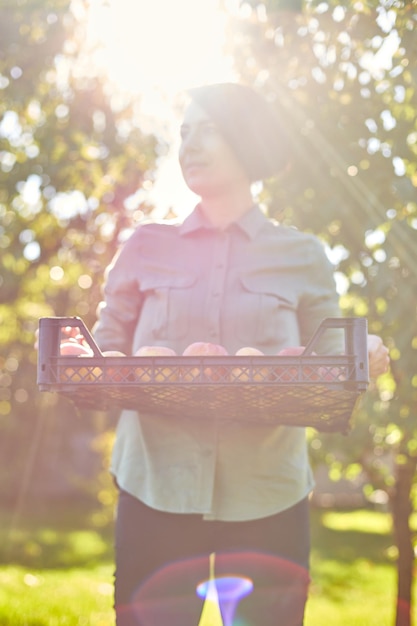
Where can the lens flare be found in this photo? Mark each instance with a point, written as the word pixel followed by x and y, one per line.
pixel 228 590
pixel 244 588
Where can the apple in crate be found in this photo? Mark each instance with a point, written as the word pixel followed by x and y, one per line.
pixel 115 374
pixel 202 348
pixel 331 374
pixel 161 375
pixel 113 353
pixel 241 374
pixel 289 374
pixel 72 374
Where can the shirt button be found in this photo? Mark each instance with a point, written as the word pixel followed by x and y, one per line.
pixel 206 452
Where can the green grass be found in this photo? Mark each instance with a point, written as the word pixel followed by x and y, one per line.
pixel 57 565
pixel 353 570
pixel 64 597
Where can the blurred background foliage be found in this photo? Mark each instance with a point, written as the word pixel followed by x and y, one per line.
pixel 70 155
pixel 343 77
pixel 352 180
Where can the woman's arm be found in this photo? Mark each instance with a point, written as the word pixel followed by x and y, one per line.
pixel 118 313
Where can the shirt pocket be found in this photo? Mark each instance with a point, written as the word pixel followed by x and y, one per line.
pixel 267 312
pixel 167 304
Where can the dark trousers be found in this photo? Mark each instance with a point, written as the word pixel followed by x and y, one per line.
pixel 162 557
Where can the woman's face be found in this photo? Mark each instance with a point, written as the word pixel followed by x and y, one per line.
pixel 208 163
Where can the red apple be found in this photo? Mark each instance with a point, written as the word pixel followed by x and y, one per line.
pixel 330 374
pixel 116 373
pixel 202 348
pixel 249 351
pixel 291 374
pixel 71 374
pixel 113 353
pixel 165 374
pixel 155 351
pixel 241 374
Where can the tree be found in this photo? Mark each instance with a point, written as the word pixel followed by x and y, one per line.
pixel 342 76
pixel 70 155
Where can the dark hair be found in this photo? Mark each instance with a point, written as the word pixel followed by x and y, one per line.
pixel 249 124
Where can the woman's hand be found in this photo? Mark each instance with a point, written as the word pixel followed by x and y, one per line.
pixel 68 333
pixel 378 356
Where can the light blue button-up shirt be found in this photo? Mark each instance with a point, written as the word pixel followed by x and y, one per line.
pixel 256 283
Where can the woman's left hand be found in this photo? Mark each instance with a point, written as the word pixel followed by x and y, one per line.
pixel 378 355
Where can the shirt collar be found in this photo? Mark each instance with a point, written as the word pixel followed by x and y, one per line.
pixel 250 223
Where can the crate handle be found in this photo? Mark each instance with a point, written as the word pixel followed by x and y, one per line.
pixel 356 341
pixel 50 341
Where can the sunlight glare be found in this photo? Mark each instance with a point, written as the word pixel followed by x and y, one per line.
pixel 155 50
pixel 160 44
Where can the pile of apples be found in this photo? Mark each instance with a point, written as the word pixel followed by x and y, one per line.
pixel 199 348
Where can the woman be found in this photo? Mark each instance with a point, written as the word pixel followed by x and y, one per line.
pixel 226 275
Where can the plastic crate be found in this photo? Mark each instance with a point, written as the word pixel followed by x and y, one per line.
pixel 306 390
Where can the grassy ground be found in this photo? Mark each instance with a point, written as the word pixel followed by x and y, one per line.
pixel 55 568
pixel 59 573
pixel 353 571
